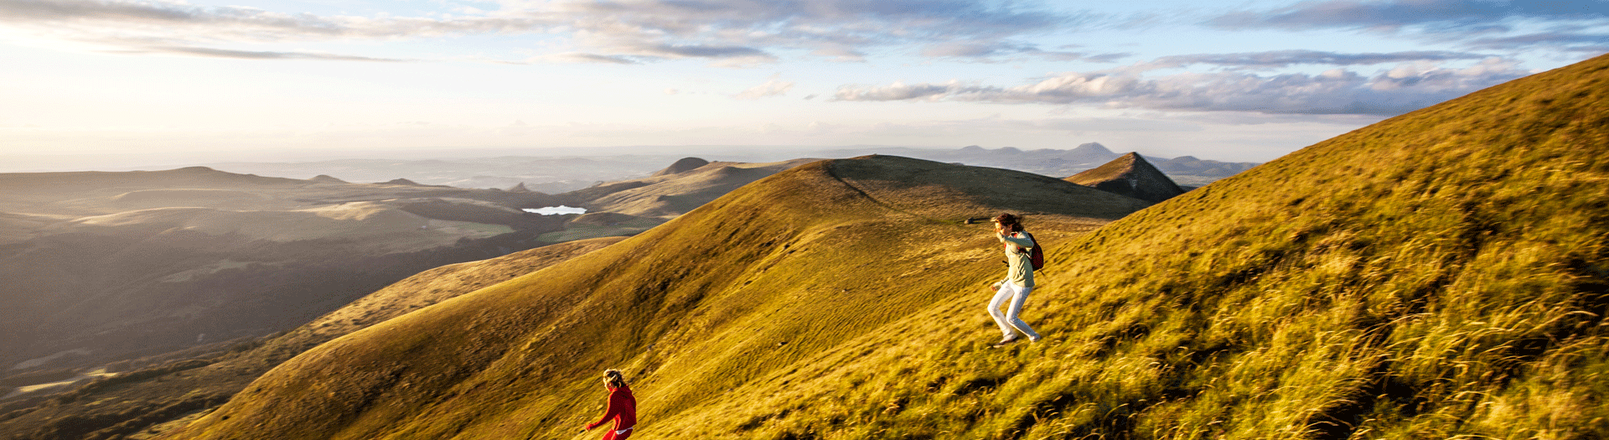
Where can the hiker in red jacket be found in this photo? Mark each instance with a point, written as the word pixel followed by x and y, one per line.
pixel 622 407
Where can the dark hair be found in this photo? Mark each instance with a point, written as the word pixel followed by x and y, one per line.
pixel 614 378
pixel 1011 222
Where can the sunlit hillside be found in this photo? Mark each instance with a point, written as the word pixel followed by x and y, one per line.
pixel 135 403
pixel 1438 275
pixel 756 284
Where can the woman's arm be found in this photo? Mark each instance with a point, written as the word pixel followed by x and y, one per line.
pixel 608 413
pixel 1023 242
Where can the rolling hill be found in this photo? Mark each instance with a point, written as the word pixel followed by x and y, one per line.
pixel 131 404
pixel 102 267
pixel 1130 175
pixel 1186 170
pixel 685 185
pixel 1439 274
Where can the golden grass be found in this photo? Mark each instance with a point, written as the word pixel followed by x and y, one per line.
pixel 1438 275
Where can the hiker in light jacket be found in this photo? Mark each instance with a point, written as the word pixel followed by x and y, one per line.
pixel 1019 280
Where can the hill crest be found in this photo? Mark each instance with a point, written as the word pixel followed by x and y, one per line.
pixel 1130 175
pixel 683 165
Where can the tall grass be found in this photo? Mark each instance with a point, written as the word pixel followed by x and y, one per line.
pixel 1438 275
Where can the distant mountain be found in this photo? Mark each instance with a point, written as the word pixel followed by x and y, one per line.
pixel 1053 162
pixel 682 187
pixel 682 166
pixel 554 174
pixel 325 178
pixel 101 267
pixel 547 174
pixel 1130 175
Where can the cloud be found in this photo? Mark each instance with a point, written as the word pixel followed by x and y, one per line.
pixel 989 50
pixel 1594 43
pixel 1338 91
pixel 109 19
pixel 579 57
pixel 729 55
pixel 1456 21
pixel 1395 14
pixel 736 32
pixel 138 27
pixel 899 91
pixel 1286 58
pixel 840 30
pixel 260 55
pixel 773 87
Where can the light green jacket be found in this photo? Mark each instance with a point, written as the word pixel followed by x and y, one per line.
pixel 1022 267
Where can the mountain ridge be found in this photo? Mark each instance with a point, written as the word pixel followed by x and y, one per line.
pixel 1130 175
pixel 103 267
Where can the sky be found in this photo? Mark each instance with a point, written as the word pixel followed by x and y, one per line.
pixel 87 83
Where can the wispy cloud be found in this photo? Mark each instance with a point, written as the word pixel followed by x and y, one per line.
pixel 580 57
pixel 739 32
pixel 1571 41
pixel 1286 58
pixel 1436 19
pixel 262 55
pixel 773 87
pixel 999 50
pixel 1404 88
pixel 1394 14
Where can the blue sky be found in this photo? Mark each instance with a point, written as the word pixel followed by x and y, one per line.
pixel 283 80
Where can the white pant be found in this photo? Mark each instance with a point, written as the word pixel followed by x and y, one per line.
pixel 1007 321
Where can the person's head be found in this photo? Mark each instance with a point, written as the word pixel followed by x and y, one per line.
pixel 613 378
pixel 1008 222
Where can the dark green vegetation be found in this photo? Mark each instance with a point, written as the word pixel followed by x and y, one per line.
pixel 128 405
pixel 1441 274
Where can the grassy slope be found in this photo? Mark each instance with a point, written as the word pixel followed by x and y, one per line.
pixel 748 286
pixel 1108 171
pixel 136 400
pixel 1439 274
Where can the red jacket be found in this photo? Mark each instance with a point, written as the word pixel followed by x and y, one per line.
pixel 622 408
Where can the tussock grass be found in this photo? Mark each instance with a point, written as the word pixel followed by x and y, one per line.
pixel 1438 275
